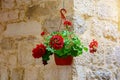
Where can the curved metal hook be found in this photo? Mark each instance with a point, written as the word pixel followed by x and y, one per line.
pixel 62 14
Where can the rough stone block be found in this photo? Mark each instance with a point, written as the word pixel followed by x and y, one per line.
pixel 84 7
pixel 80 73
pixel 38 11
pixel 8 4
pixel 117 54
pixel 31 73
pixel 25 53
pixel 18 2
pixel 4 16
pixel 12 60
pixel 64 72
pixel 107 9
pixel 101 74
pixel 80 24
pixel 17 73
pixel 23 28
pixel 8 16
pixel 4 73
pixel 13 15
pixel 23 2
pixel 103 28
pixel 97 27
pixel 52 25
pixel 3 59
pixel 1 28
pixel 59 72
pixel 22 14
pixel 102 8
pixel 26 1
pixel 11 44
pixel 118 75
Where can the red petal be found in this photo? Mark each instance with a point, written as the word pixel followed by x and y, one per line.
pixel 42 33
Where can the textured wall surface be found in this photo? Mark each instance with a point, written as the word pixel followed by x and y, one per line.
pixel 97 19
pixel 22 21
pixel 119 15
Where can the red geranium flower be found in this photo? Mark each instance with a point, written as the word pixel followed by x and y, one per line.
pixel 92 50
pixel 93 46
pixel 57 42
pixel 42 33
pixel 39 51
pixel 67 23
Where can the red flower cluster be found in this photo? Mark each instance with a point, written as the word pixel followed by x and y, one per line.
pixel 93 46
pixel 56 42
pixel 67 23
pixel 42 33
pixel 39 51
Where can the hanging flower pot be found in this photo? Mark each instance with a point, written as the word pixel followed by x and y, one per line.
pixel 62 43
pixel 63 61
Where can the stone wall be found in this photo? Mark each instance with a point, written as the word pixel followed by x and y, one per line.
pixel 21 22
pixel 97 19
pixel 118 14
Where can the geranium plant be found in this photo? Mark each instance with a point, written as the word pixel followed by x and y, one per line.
pixel 93 46
pixel 61 43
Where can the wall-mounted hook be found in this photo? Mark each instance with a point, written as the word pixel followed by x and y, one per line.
pixel 63 11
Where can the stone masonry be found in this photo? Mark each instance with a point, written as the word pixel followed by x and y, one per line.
pixel 97 19
pixel 22 21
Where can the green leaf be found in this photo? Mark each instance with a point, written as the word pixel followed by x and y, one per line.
pixel 46 57
pixel 72 45
pixel 50 49
pixel 54 33
pixel 85 49
pixel 80 52
pixel 64 33
pixel 76 41
pixel 74 53
pixel 59 52
pixel 48 38
pixel 67 51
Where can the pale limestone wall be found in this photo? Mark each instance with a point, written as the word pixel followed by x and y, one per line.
pixel 97 19
pixel 21 22
pixel 119 13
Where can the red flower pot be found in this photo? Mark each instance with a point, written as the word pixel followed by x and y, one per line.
pixel 63 61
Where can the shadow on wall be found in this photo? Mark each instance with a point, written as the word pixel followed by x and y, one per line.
pixel 42 9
